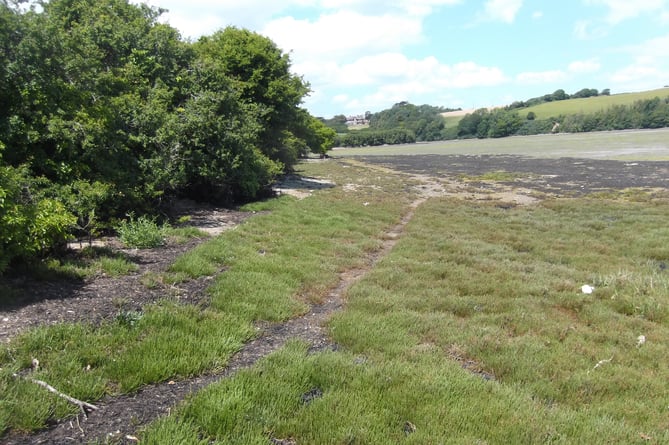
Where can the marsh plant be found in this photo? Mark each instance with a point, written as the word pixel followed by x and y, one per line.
pixel 141 232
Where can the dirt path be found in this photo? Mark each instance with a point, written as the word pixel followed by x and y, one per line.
pixel 119 418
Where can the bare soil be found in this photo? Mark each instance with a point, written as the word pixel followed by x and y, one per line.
pixel 119 418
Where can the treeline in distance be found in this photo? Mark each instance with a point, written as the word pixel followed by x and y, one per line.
pixel 406 123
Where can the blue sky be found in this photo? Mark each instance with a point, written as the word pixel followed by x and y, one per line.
pixel 366 55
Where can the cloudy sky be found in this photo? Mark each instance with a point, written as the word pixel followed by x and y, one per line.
pixel 366 55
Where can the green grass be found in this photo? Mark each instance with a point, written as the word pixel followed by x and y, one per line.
pixel 84 263
pixel 500 291
pixel 497 176
pixel 141 232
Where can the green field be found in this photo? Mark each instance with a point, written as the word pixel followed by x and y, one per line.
pixel 590 104
pixel 618 145
pixel 577 106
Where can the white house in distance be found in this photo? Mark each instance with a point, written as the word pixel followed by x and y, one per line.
pixel 356 120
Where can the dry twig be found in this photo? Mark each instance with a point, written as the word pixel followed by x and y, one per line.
pixel 85 407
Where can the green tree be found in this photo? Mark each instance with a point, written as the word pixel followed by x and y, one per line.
pixel 318 137
pixel 424 121
pixel 260 71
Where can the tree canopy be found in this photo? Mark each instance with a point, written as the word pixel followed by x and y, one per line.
pixel 424 121
pixel 107 111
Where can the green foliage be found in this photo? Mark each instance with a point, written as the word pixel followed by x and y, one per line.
pixel 261 73
pixel 484 123
pixel 142 232
pixel 647 113
pixel 644 113
pixel 337 123
pixel 369 137
pixel 29 225
pixel 425 121
pixel 321 138
pixel 106 111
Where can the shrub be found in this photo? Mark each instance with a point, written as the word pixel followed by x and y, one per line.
pixel 29 225
pixel 141 233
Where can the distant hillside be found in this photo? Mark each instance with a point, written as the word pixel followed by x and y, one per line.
pixel 590 105
pixel 586 105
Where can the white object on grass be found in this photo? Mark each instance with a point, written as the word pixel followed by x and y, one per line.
pixel 602 362
pixel 587 289
pixel 641 339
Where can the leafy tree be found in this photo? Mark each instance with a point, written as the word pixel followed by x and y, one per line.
pixel 560 95
pixel 585 92
pixel 425 121
pixel 261 73
pixel 320 138
pixel 468 126
pixel 502 123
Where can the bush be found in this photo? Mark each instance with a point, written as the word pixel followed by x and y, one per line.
pixel 141 233
pixel 29 225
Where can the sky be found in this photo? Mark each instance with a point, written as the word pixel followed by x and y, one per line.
pixel 366 55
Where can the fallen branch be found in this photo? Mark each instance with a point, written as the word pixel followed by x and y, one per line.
pixel 85 407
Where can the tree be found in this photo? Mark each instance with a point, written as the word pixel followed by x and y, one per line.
pixel 320 137
pixel 585 92
pixel 261 73
pixel 337 123
pixel 425 121
pixel 468 126
pixel 560 95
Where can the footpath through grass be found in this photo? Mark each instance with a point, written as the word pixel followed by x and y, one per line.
pixel 475 329
pixel 275 264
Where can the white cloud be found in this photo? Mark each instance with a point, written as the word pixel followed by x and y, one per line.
pixel 540 77
pixel 621 10
pixel 537 15
pixel 412 7
pixel 502 10
pixel 424 75
pixel 343 32
pixel 387 78
pixel 634 74
pixel 340 98
pixel 587 30
pixel 584 66
pixel 203 17
pixel 648 67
